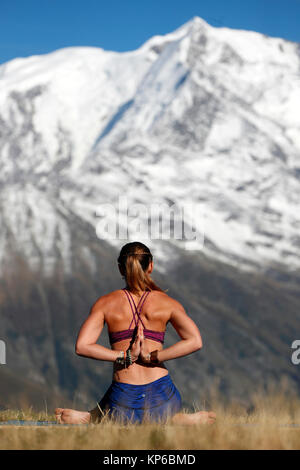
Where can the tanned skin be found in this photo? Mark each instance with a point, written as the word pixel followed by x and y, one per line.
pixel 158 310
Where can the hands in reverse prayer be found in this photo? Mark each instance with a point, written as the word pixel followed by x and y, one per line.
pixel 139 350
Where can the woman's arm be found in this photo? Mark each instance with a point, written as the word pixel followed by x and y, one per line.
pixel 187 330
pixel 89 334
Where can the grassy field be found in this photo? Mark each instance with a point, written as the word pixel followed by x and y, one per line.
pixel 270 423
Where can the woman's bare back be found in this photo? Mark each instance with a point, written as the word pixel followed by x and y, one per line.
pixel 155 314
pixel 135 263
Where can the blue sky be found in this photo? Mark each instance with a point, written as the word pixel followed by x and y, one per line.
pixel 30 27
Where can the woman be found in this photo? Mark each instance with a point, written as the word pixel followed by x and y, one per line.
pixel 137 317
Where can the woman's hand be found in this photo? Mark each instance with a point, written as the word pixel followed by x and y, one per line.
pixel 144 351
pixel 136 347
pixel 139 349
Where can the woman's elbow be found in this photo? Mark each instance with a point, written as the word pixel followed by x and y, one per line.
pixel 79 349
pixel 198 343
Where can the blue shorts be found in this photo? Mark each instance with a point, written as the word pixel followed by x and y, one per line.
pixel 155 401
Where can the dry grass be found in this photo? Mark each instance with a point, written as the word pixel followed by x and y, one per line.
pixel 267 425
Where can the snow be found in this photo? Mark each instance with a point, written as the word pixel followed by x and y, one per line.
pixel 200 115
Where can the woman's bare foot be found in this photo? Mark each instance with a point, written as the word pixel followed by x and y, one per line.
pixel 201 417
pixel 68 416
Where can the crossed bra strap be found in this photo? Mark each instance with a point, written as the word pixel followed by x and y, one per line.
pixel 138 310
pixel 136 317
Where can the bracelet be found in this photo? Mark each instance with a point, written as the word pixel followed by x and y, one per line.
pixel 121 359
pixel 128 360
pixel 153 357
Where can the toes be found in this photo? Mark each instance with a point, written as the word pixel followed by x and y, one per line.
pixel 58 414
pixel 212 417
pixel 206 417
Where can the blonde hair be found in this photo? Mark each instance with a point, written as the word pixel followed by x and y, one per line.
pixel 134 260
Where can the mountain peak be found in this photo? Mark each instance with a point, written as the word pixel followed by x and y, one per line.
pixel 157 42
pixel 195 23
pixel 200 114
pixel 197 20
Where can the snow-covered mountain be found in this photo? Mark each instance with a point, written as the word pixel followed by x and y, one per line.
pixel 203 115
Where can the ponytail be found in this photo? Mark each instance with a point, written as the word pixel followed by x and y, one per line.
pixel 134 260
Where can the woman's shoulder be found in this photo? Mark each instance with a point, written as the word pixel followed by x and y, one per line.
pixel 163 297
pixel 108 298
pixel 156 295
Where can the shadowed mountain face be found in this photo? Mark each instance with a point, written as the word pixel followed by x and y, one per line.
pixel 200 116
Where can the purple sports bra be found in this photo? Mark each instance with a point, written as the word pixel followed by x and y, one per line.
pixel 116 336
